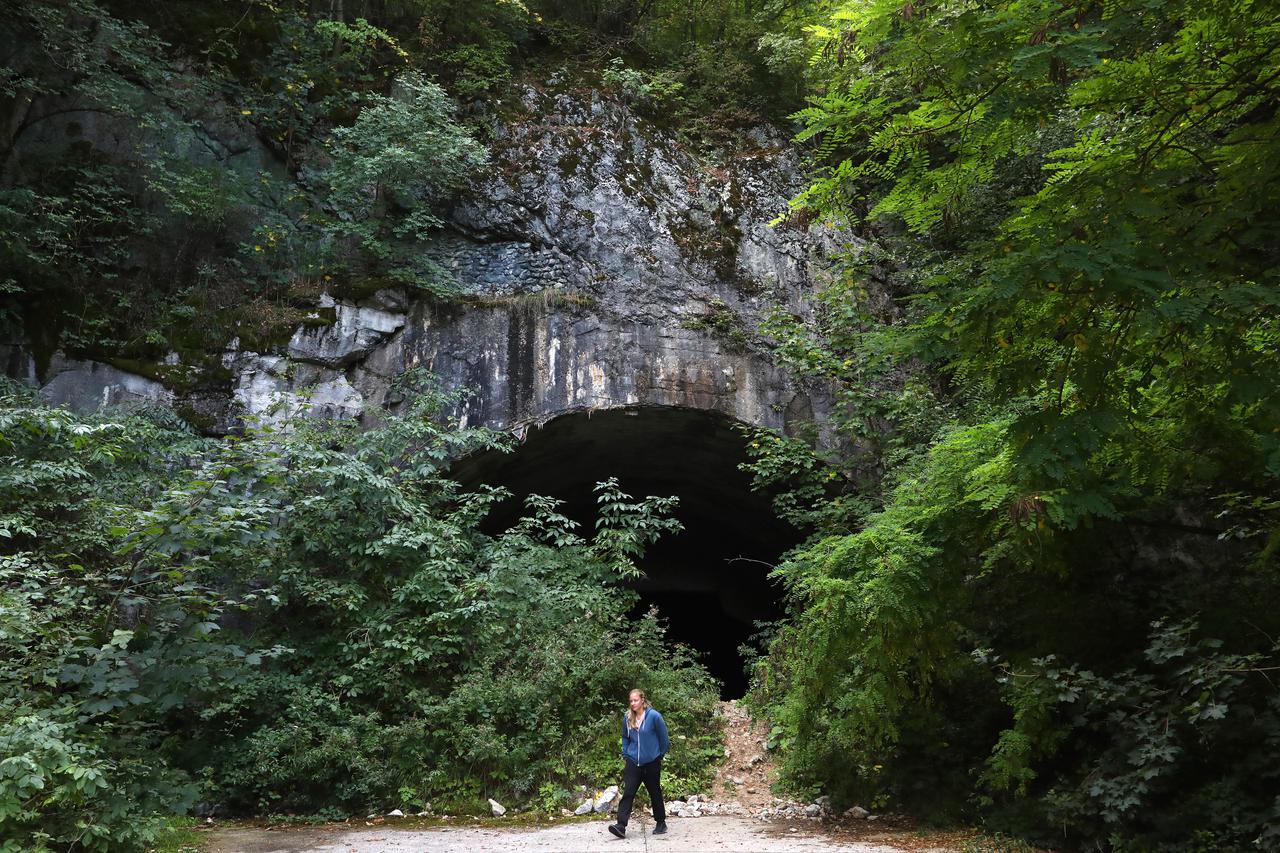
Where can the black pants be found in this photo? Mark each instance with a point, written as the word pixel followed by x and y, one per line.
pixel 651 775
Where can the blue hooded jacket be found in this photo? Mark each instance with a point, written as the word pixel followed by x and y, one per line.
pixel 647 743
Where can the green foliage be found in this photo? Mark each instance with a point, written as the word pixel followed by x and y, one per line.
pixel 266 149
pixel 719 321
pixel 810 492
pixel 624 528
pixel 1114 232
pixel 70 212
pixel 178 835
pixel 372 150
pixel 313 76
pixel 80 232
pixel 1182 726
pixel 651 90
pixel 710 69
pixel 876 621
pixel 438 660
pixel 390 170
pixel 305 618
pixel 102 633
pixel 473 44
pixel 1052 347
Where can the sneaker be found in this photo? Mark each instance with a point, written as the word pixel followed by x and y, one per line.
pixel 659 829
pixel 617 830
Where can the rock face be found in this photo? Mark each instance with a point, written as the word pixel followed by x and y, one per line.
pixel 601 264
pixel 356 332
pixel 88 385
pixel 608 266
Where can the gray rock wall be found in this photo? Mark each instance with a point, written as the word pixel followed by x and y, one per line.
pixel 89 385
pixel 531 362
pixel 599 262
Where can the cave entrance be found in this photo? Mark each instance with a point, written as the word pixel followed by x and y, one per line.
pixel 710 581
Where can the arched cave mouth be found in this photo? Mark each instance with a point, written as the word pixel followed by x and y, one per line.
pixel 710 581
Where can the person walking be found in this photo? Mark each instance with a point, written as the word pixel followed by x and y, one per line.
pixel 644 742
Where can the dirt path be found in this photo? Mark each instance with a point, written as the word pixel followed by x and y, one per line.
pixel 746 775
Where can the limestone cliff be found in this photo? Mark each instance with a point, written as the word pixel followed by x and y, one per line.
pixel 601 264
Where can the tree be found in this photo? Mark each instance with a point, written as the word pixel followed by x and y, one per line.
pixel 391 169
pixel 1074 206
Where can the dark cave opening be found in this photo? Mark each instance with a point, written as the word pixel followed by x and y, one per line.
pixel 710 581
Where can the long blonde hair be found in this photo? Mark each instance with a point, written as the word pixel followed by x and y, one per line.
pixel 644 704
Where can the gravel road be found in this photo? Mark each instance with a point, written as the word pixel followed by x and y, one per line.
pixel 717 834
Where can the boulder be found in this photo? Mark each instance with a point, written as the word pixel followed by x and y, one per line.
pixel 605 800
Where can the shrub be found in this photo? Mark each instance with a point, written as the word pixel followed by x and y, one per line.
pixel 305 618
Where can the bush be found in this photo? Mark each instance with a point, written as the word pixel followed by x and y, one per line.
pixel 101 635
pixel 305 618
